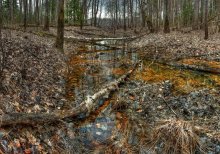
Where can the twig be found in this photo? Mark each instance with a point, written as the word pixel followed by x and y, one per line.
pixel 177 116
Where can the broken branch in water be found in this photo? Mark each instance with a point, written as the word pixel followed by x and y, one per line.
pixel 86 107
pixel 97 39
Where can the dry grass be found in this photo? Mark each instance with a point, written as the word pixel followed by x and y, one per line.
pixel 176 137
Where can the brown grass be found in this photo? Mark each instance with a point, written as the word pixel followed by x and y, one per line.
pixel 176 137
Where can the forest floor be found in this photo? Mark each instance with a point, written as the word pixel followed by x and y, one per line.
pixel 175 89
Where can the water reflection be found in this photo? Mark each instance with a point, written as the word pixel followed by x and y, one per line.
pixel 96 66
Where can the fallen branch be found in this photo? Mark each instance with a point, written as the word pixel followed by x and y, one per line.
pixel 77 39
pixel 199 68
pixel 86 107
pixel 195 68
pixel 70 38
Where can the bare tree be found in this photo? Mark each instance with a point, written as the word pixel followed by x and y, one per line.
pixel 218 11
pixel 206 20
pixel 30 10
pixel 124 12
pixel 2 57
pixel 83 15
pixel 20 9
pixel 196 15
pixel 11 11
pixel 166 16
pixel 37 16
pixel 25 14
pixel 202 14
pixel 47 14
pixel 60 25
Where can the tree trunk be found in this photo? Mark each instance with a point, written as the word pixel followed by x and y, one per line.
pixel 141 4
pixel 124 12
pixel 37 13
pixel 0 19
pixel 206 20
pixel 25 15
pixel 196 15
pixel 30 10
pixel 131 12
pixel 166 17
pixel 218 11
pixel 83 10
pixel 47 14
pixel 60 25
pixel 20 10
pixel 11 12
pixel 157 16
pixel 150 26
pixel 202 14
pixel 2 54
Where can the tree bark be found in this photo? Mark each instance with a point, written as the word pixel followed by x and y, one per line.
pixel 218 10
pixel 60 25
pixel 2 54
pixel 25 14
pixel 37 13
pixel 47 14
pixel 206 20
pixel 124 12
pixel 196 15
pixel 202 13
pixel 30 10
pixel 20 10
pixel 11 12
pixel 166 17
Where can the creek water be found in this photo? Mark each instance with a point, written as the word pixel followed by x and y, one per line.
pixel 100 63
pixel 96 65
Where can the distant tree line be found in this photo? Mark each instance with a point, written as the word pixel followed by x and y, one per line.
pixel 123 13
pixel 153 15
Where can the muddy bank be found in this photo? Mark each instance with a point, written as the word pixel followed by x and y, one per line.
pixel 149 104
pixel 155 93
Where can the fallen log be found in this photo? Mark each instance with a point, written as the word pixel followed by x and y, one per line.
pixel 215 54
pixel 199 68
pixel 86 107
pixel 70 38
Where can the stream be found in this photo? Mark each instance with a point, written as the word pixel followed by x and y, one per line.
pixel 98 64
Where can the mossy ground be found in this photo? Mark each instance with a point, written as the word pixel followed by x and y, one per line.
pixel 184 81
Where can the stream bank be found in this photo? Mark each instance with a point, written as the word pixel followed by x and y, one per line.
pixel 154 93
pixel 156 96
